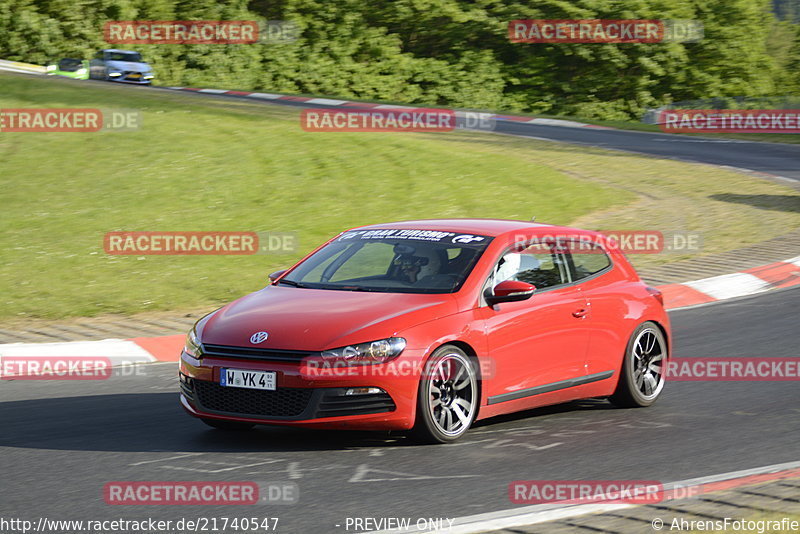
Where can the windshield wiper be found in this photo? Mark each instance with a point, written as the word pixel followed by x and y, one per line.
pixel 291 283
pixel 336 287
pixel 356 288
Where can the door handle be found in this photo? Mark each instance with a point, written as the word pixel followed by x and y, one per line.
pixel 581 313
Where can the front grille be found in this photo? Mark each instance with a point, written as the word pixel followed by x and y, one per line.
pixel 335 404
pixel 250 353
pixel 284 402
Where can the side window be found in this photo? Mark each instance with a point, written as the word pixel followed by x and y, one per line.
pixel 99 55
pixel 587 258
pixel 536 264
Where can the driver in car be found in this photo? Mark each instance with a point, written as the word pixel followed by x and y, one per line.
pixel 415 263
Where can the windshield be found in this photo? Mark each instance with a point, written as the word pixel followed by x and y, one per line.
pixel 395 261
pixel 133 57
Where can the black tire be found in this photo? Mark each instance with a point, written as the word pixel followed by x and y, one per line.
pixel 447 398
pixel 231 426
pixel 641 381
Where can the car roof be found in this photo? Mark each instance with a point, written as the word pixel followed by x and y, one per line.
pixel 488 227
pixel 118 50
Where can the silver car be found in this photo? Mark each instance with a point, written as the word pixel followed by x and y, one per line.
pixel 120 66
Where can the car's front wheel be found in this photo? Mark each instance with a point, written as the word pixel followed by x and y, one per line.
pixel 448 398
pixel 221 424
pixel 643 368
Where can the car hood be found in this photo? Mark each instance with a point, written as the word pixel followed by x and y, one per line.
pixel 315 319
pixel 128 65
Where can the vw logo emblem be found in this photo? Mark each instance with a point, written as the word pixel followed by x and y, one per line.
pixel 258 337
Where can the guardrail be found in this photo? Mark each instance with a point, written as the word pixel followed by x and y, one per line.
pixel 17 66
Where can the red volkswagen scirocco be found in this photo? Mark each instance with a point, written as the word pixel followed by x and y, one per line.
pixel 428 326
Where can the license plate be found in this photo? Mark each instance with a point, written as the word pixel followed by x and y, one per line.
pixel 134 76
pixel 238 378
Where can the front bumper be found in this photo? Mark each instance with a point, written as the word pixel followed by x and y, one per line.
pixel 306 396
pixel 127 79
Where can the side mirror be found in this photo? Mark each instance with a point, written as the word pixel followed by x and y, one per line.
pixel 509 291
pixel 277 274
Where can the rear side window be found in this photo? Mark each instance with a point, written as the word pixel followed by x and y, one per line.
pixel 587 259
pixel 537 264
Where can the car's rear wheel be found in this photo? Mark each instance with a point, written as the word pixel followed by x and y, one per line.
pixel 233 426
pixel 448 396
pixel 643 368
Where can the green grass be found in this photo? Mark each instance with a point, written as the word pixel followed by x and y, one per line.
pixel 224 164
pixel 213 164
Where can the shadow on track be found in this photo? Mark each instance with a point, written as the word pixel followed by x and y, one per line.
pixel 155 422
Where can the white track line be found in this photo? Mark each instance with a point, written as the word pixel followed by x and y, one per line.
pixel 557 122
pixel 728 286
pixel 264 96
pixel 18 66
pixel 327 101
pixel 540 513
pixel 20 71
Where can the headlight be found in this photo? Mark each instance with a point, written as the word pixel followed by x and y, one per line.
pixel 380 351
pixel 148 76
pixel 115 74
pixel 192 345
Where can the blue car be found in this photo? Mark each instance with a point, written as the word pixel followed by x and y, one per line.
pixel 123 66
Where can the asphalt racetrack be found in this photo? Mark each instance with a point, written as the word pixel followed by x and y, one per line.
pixel 62 441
